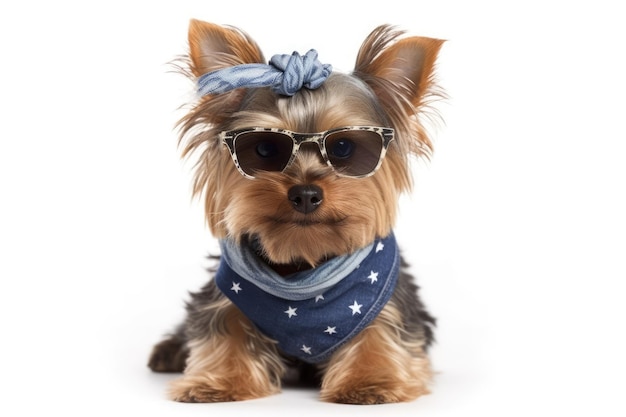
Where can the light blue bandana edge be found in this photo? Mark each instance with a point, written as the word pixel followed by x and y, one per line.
pixel 299 286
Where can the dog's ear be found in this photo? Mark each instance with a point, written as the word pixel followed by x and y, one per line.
pixel 212 47
pixel 400 71
pixel 406 65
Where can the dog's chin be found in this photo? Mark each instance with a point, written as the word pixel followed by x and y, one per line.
pixel 301 243
pixel 295 265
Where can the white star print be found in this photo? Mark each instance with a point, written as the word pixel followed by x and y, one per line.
pixel 356 308
pixel 236 287
pixel 319 297
pixel 306 349
pixel 380 247
pixel 331 330
pixel 291 311
pixel 373 276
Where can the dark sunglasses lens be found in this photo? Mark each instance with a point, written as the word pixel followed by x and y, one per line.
pixel 263 151
pixel 354 152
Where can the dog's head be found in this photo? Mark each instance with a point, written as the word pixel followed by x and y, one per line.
pixel 353 134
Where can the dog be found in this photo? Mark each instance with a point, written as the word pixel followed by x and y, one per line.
pixel 300 169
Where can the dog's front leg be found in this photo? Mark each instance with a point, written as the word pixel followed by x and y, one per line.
pixel 380 365
pixel 232 362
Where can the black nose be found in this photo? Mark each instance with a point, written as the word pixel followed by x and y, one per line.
pixel 305 198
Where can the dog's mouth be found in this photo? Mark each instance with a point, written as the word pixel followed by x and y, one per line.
pixel 307 221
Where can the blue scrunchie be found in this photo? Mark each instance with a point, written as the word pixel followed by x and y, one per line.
pixel 285 74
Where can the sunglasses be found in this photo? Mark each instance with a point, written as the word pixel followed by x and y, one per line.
pixel 354 151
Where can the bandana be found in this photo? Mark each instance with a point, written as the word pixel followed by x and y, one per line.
pixel 285 74
pixel 312 313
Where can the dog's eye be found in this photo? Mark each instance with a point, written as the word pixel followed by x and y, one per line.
pixel 266 149
pixel 342 148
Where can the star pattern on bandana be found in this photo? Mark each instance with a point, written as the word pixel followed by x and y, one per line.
pixel 356 308
pixel 331 330
pixel 291 312
pixel 380 246
pixel 373 276
pixel 236 287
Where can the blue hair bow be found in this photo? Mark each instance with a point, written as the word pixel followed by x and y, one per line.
pixel 285 74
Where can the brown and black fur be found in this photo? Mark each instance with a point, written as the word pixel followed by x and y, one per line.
pixel 223 356
pixel 170 354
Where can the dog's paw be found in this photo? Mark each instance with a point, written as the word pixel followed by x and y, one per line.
pixel 200 389
pixel 365 397
pixel 201 394
pixel 368 395
pixel 168 356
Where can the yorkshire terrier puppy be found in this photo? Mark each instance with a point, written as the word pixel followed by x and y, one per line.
pixel 301 169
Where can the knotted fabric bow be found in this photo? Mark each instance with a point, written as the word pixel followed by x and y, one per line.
pixel 285 74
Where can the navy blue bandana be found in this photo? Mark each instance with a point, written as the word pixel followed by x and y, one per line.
pixel 312 329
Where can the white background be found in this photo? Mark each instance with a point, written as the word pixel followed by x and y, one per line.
pixel 516 228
